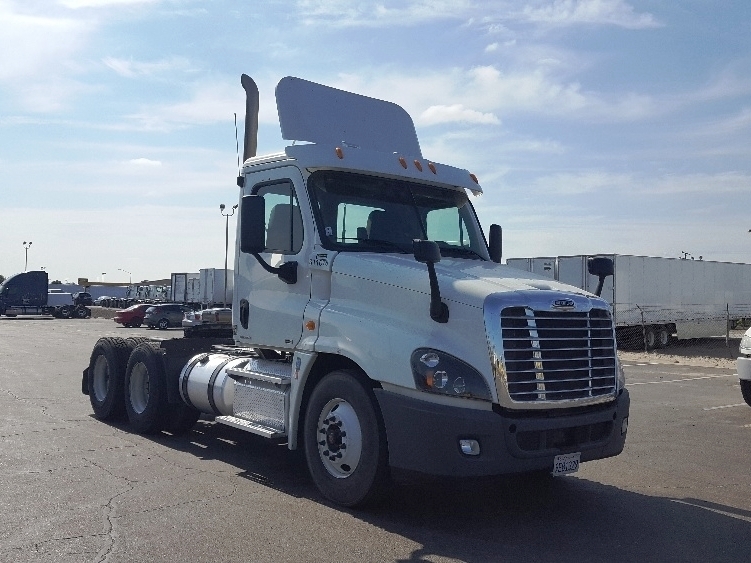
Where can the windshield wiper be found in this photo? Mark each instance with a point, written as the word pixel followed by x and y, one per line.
pixel 382 243
pixel 459 250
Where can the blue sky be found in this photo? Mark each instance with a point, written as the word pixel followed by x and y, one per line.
pixel 593 125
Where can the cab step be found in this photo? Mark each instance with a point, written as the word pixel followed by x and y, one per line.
pixel 249 426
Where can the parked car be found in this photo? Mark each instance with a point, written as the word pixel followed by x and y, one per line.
pixel 132 316
pixel 82 298
pixel 217 315
pixel 744 367
pixel 165 315
pixel 100 301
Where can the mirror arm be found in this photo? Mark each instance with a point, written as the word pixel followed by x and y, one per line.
pixel 439 311
pixel 287 272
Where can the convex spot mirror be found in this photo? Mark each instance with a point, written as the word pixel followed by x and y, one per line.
pixel 600 267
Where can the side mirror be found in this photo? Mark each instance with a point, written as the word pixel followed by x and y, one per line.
pixel 602 268
pixel 495 246
pixel 426 251
pixel 253 224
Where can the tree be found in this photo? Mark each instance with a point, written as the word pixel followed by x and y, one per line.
pixel 56 282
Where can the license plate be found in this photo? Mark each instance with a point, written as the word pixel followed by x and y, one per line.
pixel 566 463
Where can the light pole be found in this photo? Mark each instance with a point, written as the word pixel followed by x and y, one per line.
pixel 103 274
pixel 26 246
pixel 226 243
pixel 130 277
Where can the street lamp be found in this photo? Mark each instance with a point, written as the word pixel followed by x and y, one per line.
pixel 226 244
pixel 26 246
pixel 103 274
pixel 129 275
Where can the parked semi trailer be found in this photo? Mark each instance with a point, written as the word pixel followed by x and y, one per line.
pixel 657 299
pixel 373 326
pixel 27 293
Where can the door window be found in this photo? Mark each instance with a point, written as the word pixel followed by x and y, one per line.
pixel 284 232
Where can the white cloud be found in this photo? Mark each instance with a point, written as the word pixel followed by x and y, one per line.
pixel 77 4
pixel 344 13
pixel 455 113
pixel 133 69
pixel 210 103
pixel 583 183
pixel 491 48
pixel 601 12
pixel 704 183
pixel 37 57
pixel 145 162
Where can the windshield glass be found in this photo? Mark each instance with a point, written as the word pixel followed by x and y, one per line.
pixel 365 213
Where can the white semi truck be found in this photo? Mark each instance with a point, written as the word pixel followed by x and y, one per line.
pixel 374 327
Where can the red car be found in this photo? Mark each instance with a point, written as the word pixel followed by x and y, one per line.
pixel 132 316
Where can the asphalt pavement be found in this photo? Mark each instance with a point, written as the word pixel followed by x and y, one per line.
pixel 74 489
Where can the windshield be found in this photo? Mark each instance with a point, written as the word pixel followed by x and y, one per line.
pixel 365 213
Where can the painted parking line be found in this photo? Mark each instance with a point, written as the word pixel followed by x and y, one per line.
pixel 724 407
pixel 680 380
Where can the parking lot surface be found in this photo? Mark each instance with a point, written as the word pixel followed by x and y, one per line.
pixel 75 489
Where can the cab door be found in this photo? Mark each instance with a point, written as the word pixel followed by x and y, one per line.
pixel 268 312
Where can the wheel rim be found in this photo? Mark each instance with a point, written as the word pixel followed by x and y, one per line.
pixel 164 323
pixel 101 378
pixel 339 438
pixel 139 387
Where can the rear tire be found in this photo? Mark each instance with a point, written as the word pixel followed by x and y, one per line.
pixel 746 390
pixel 163 324
pixel 345 440
pixel 663 337
pixel 105 377
pixel 145 388
pixel 650 338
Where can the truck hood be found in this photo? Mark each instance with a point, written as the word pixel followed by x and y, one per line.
pixel 462 281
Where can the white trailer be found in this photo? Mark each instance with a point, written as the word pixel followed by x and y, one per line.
pixel 185 288
pixel 373 324
pixel 212 286
pixel 654 299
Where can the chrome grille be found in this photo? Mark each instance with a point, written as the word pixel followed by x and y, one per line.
pixel 558 355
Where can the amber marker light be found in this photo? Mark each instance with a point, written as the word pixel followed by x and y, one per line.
pixel 403 162
pixel 474 178
pixel 310 325
pixel 418 165
pixel 339 152
pixel 432 167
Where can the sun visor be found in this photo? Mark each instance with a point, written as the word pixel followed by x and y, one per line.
pixel 323 115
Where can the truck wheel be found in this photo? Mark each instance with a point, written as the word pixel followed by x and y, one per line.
pixel 345 440
pixel 66 311
pixel 163 324
pixel 746 390
pixel 663 336
pixel 81 312
pixel 650 338
pixel 145 388
pixel 105 377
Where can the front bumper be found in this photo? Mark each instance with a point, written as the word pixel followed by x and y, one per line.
pixel 424 436
pixel 744 368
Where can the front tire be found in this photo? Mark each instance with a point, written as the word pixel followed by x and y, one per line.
pixel 746 390
pixel 145 388
pixel 345 440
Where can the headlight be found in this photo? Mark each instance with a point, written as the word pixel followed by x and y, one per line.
pixel 437 372
pixel 746 343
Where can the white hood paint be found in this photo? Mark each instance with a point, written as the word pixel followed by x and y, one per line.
pixel 463 281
